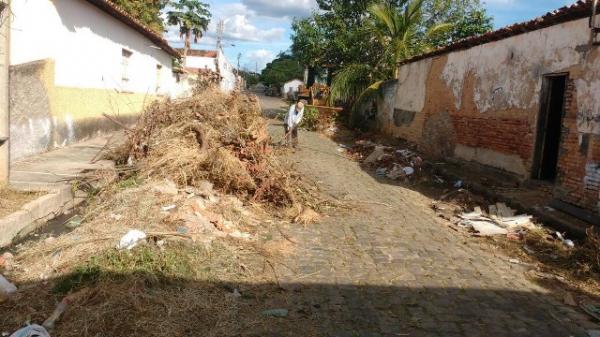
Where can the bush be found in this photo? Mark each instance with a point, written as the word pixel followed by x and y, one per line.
pixel 310 121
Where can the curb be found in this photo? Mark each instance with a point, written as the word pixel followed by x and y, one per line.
pixel 36 213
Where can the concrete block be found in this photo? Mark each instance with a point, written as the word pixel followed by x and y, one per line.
pixel 12 225
pixel 44 205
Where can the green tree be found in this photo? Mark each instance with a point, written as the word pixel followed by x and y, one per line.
pixel 468 18
pixel 395 28
pixel 146 11
pixel 284 68
pixel 192 17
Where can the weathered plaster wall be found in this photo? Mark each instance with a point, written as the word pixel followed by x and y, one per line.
pixel 67 69
pixel 482 105
pixel 44 115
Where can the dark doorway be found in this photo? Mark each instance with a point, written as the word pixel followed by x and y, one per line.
pixel 549 127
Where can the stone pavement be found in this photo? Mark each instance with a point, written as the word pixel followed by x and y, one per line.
pixel 376 270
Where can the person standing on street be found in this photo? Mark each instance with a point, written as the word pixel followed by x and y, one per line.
pixel 291 122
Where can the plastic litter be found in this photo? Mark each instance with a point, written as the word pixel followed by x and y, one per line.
pixel 31 331
pixel 60 308
pixel 408 170
pixel 168 208
pixel 458 184
pixel 381 171
pixel 275 313
pixel 566 242
pixel 7 289
pixel 74 222
pixel 131 239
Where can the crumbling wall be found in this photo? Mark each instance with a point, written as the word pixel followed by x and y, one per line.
pixel 482 104
pixel 31 120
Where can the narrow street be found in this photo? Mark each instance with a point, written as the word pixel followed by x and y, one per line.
pixel 388 266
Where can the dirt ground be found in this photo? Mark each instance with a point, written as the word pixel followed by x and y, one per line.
pixel 11 200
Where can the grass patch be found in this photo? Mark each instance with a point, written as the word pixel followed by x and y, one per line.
pixel 147 263
pixel 131 182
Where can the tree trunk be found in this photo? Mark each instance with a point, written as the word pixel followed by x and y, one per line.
pixel 187 46
pixel 311 77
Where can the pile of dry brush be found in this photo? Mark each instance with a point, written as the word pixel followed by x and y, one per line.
pixel 210 136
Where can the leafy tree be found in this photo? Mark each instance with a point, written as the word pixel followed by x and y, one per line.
pixel 468 18
pixel 146 11
pixel 192 17
pixel 284 68
pixel 395 28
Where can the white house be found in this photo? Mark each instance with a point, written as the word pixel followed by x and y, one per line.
pixel 211 60
pixel 71 61
pixel 290 88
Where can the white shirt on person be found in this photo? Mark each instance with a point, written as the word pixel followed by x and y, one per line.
pixel 293 117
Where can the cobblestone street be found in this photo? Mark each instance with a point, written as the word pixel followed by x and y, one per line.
pixel 390 267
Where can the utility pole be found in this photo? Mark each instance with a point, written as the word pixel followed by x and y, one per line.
pixel 4 105
pixel 220 30
pixel 239 57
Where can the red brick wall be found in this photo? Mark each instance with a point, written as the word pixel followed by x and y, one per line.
pixel 504 135
pixel 575 184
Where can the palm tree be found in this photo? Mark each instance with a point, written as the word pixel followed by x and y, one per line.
pixel 396 27
pixel 192 17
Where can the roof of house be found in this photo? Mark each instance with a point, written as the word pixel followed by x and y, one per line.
pixel 119 14
pixel 580 9
pixel 199 52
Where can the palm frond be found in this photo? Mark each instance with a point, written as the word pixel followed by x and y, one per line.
pixel 368 95
pixel 350 82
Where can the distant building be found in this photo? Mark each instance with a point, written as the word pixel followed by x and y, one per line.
pixel 290 88
pixel 211 60
pixel 71 61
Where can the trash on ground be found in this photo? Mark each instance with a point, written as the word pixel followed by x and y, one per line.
pixel 566 242
pixel 458 184
pixel 396 173
pixel 514 261
pixel 500 221
pixel 131 239
pixel 376 155
pixel 381 171
pixel 408 170
pixel 275 313
pixel 7 289
pixel 59 310
pixel 74 222
pixel 168 208
pixel 31 331
pixel 240 235
pixel 592 309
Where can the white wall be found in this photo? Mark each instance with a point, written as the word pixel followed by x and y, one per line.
pixel 293 84
pixel 229 81
pixel 86 44
pixel 200 62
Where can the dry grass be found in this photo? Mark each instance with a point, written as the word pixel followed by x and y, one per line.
pixel 211 136
pixel 578 268
pixel 12 201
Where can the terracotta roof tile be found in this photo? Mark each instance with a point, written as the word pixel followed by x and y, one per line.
pixel 119 14
pixel 199 52
pixel 580 9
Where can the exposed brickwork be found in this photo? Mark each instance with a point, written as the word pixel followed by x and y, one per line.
pixel 509 136
pixel 578 179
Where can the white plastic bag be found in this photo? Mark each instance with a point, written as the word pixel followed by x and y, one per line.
pixel 31 331
pixel 131 239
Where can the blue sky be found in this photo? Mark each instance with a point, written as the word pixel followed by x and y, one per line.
pixel 260 29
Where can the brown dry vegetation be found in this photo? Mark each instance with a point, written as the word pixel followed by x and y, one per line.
pixel 182 281
pixel 11 200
